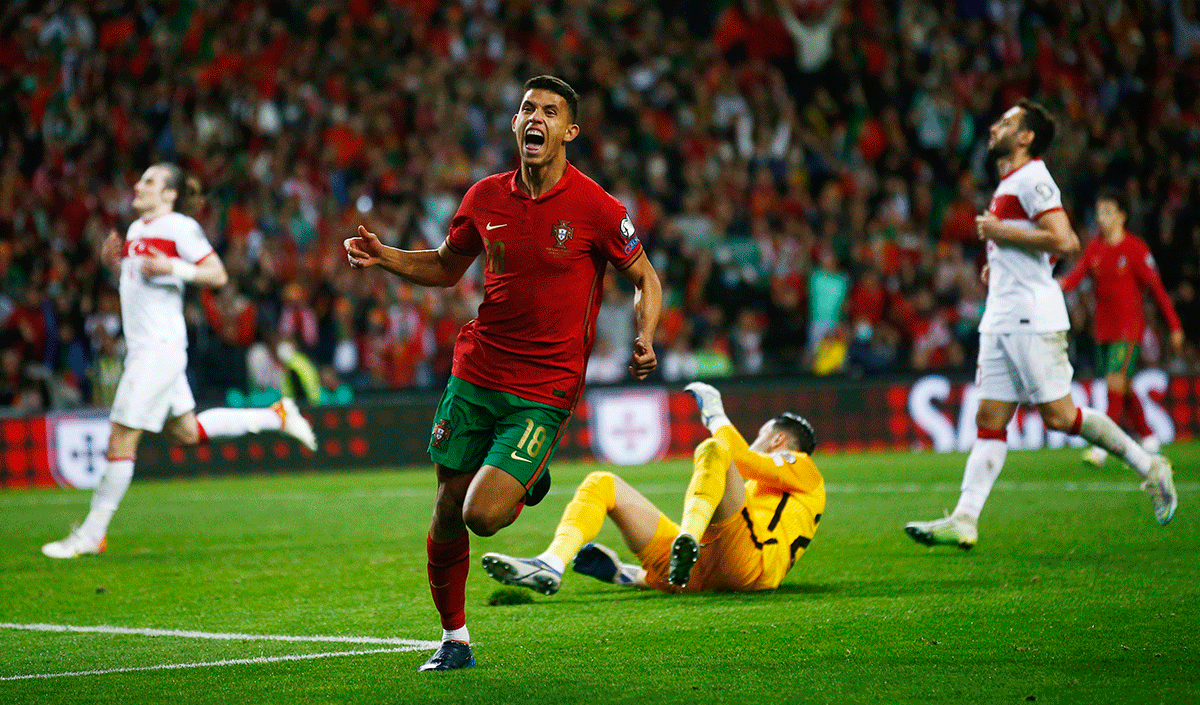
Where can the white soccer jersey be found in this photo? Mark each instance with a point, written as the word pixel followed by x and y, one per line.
pixel 152 309
pixel 1022 294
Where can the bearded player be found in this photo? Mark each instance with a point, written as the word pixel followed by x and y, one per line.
pixel 164 250
pixel 1121 269
pixel 1023 332
pixel 547 233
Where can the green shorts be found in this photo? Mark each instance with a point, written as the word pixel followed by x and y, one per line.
pixel 1120 357
pixel 474 427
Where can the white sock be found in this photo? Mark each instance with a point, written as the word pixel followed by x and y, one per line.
pixel 553 561
pixel 107 497
pixel 219 423
pixel 1101 431
pixel 983 467
pixel 459 634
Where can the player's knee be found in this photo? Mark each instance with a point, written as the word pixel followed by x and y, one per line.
pixel 486 518
pixel 1059 421
pixel 598 477
pixel 182 436
pixel 484 522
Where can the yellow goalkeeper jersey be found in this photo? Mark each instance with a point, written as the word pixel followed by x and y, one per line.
pixel 785 497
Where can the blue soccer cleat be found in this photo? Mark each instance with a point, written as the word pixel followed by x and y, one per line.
pixel 602 563
pixel 451 656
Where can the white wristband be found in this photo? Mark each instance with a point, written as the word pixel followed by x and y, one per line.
pixel 184 270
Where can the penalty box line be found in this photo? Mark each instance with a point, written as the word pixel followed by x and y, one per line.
pixel 395 646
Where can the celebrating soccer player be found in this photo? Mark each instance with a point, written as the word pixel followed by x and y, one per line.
pixel 164 250
pixel 1023 333
pixel 547 233
pixel 1122 269
pixel 750 511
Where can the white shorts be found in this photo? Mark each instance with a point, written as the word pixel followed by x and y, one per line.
pixel 152 389
pixel 1023 367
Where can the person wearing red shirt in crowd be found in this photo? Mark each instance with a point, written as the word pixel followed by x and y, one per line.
pixel 1122 269
pixel 547 233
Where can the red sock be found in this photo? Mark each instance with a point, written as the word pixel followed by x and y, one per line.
pixel 1137 416
pixel 517 513
pixel 1116 406
pixel 448 566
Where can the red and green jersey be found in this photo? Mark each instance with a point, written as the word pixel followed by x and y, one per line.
pixel 1120 273
pixel 543 279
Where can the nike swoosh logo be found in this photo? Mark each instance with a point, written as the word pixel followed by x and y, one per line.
pixel 514 456
pixel 493 227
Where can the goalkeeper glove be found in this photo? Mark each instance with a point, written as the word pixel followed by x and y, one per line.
pixel 708 399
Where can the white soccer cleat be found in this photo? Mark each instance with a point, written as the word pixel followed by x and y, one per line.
pixel 294 424
pixel 74 546
pixel 1095 455
pixel 532 573
pixel 1160 483
pixel 958 530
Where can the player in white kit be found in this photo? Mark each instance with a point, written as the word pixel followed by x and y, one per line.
pixel 163 250
pixel 1023 332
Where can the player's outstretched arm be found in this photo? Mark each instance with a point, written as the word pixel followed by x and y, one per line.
pixel 1146 271
pixel 440 267
pixel 647 306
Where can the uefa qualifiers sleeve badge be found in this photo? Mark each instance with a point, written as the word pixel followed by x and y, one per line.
pixel 631 239
pixel 441 432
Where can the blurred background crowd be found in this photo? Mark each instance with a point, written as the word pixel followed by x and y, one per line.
pixel 804 174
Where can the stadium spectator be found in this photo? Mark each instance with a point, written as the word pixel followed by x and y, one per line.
pixel 749 513
pixel 690 118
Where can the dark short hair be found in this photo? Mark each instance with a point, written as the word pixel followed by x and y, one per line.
pixel 188 199
pixel 799 429
pixel 1116 197
pixel 1037 119
pixel 555 84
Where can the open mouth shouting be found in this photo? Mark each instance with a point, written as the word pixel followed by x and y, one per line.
pixel 535 140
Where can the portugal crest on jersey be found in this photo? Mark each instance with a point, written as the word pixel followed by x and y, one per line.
pixel 562 232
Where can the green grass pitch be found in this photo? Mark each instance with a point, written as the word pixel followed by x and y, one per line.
pixel 1073 595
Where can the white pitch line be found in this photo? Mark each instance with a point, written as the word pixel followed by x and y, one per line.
pixel 223 662
pixel 226 636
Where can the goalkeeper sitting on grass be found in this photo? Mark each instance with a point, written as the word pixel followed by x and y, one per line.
pixel 750 511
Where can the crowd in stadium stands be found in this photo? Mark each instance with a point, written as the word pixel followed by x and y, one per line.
pixel 804 174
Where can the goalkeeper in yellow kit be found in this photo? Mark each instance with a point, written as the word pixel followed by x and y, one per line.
pixel 750 511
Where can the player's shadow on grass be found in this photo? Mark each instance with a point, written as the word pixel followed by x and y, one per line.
pixel 806 589
pixel 636 594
